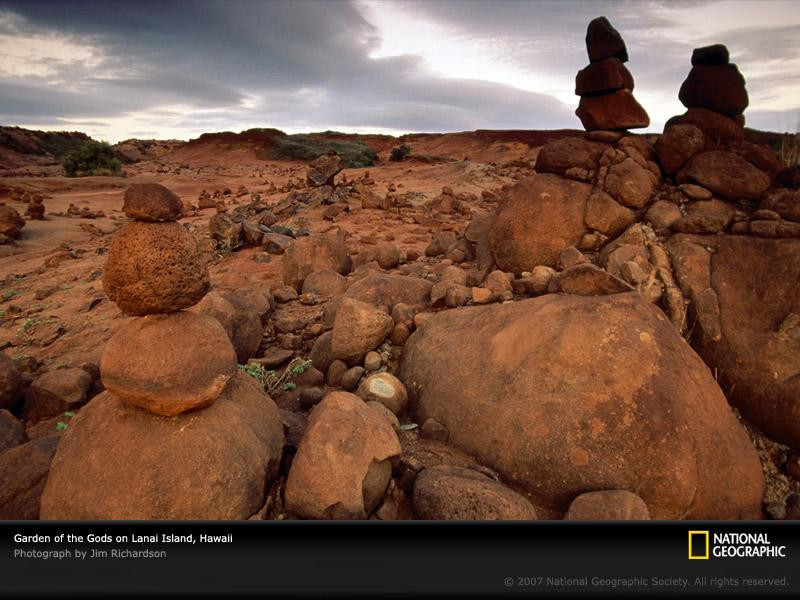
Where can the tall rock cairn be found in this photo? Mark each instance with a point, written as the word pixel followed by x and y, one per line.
pixel 606 85
pixel 715 95
pixel 167 360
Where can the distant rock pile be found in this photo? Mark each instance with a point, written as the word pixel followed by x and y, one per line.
pixel 152 457
pixel 606 86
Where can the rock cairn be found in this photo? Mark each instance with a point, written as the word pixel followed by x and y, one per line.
pixel 168 361
pixel 715 95
pixel 606 85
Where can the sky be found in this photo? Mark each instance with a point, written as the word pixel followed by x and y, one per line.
pixel 178 68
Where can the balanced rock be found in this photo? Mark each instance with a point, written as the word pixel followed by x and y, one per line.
pixel 324 169
pixel 117 461
pixel 716 54
pixel 151 202
pixel 168 364
pixel 154 268
pixel 603 77
pixel 603 41
pixel 714 84
pixel 617 110
pixel 343 463
pixel 461 494
pixel 606 395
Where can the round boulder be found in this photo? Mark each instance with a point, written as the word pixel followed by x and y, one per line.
pixel 154 268
pixel 151 202
pixel 608 505
pixel 358 328
pixel 386 389
pixel 117 461
pixel 10 383
pixel 168 364
pixel 343 463
pixel 459 494
pixel 563 394
pixel 315 253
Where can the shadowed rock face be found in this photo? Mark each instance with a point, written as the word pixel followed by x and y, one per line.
pixel 567 394
pixel 117 461
pixel 745 295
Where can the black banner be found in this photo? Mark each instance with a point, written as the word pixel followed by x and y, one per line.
pixel 304 558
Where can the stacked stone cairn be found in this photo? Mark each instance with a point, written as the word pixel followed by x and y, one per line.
pixel 170 459
pixel 606 85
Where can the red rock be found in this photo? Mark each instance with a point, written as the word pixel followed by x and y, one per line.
pixel 315 253
pixel 460 494
pixel 718 128
pixel 716 54
pixel 608 505
pixel 603 77
pixel 726 174
pixel 56 392
pixel 324 169
pixel 603 41
pixel 605 395
pixel 716 87
pixel 240 316
pixel 619 110
pixel 10 383
pixel 116 461
pixel 151 202
pixel 541 216
pixel 761 157
pixel 558 157
pixel 386 389
pixel 10 222
pixel 169 364
pixel 154 268
pixel 785 202
pixel 23 474
pixel 12 432
pixel 677 145
pixel 590 280
pixel 357 329
pixel 334 480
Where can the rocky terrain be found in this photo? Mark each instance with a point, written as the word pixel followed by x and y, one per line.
pixel 502 325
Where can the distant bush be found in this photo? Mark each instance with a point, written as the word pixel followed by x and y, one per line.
pixel 92 158
pixel 789 153
pixel 399 153
pixel 304 147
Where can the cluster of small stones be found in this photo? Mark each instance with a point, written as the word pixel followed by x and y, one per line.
pixel 167 361
pixel 605 85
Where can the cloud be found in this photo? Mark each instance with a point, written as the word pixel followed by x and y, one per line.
pixel 182 67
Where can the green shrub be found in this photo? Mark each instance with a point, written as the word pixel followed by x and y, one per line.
pixel 92 158
pixel 304 147
pixel 399 153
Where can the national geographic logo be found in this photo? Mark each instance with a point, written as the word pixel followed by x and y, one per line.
pixel 703 546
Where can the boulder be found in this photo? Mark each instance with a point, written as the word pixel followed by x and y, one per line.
pixel 718 128
pixel 151 202
pixel 605 395
pixel 325 284
pixel 630 183
pixel 384 289
pixel 606 215
pixel 343 463
pixel 603 41
pixel 716 87
pixel 10 383
pixel 716 54
pixel 55 392
pixel 168 364
pixel 23 473
pixel 541 216
pixel 608 505
pixel 603 77
pixel 239 317
pixel 446 493
pixel 558 157
pixel 358 328
pixel 322 170
pixel 785 202
pixel 117 461
pixel 225 231
pixel 745 292
pixel 385 389
pixel 12 432
pixel 677 145
pixel 154 268
pixel 315 253
pixel 618 110
pixel 590 280
pixel 11 223
pixel 726 174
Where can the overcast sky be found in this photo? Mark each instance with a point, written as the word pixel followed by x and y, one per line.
pixel 176 69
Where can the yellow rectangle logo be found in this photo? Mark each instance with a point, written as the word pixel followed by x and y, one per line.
pixel 694 539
